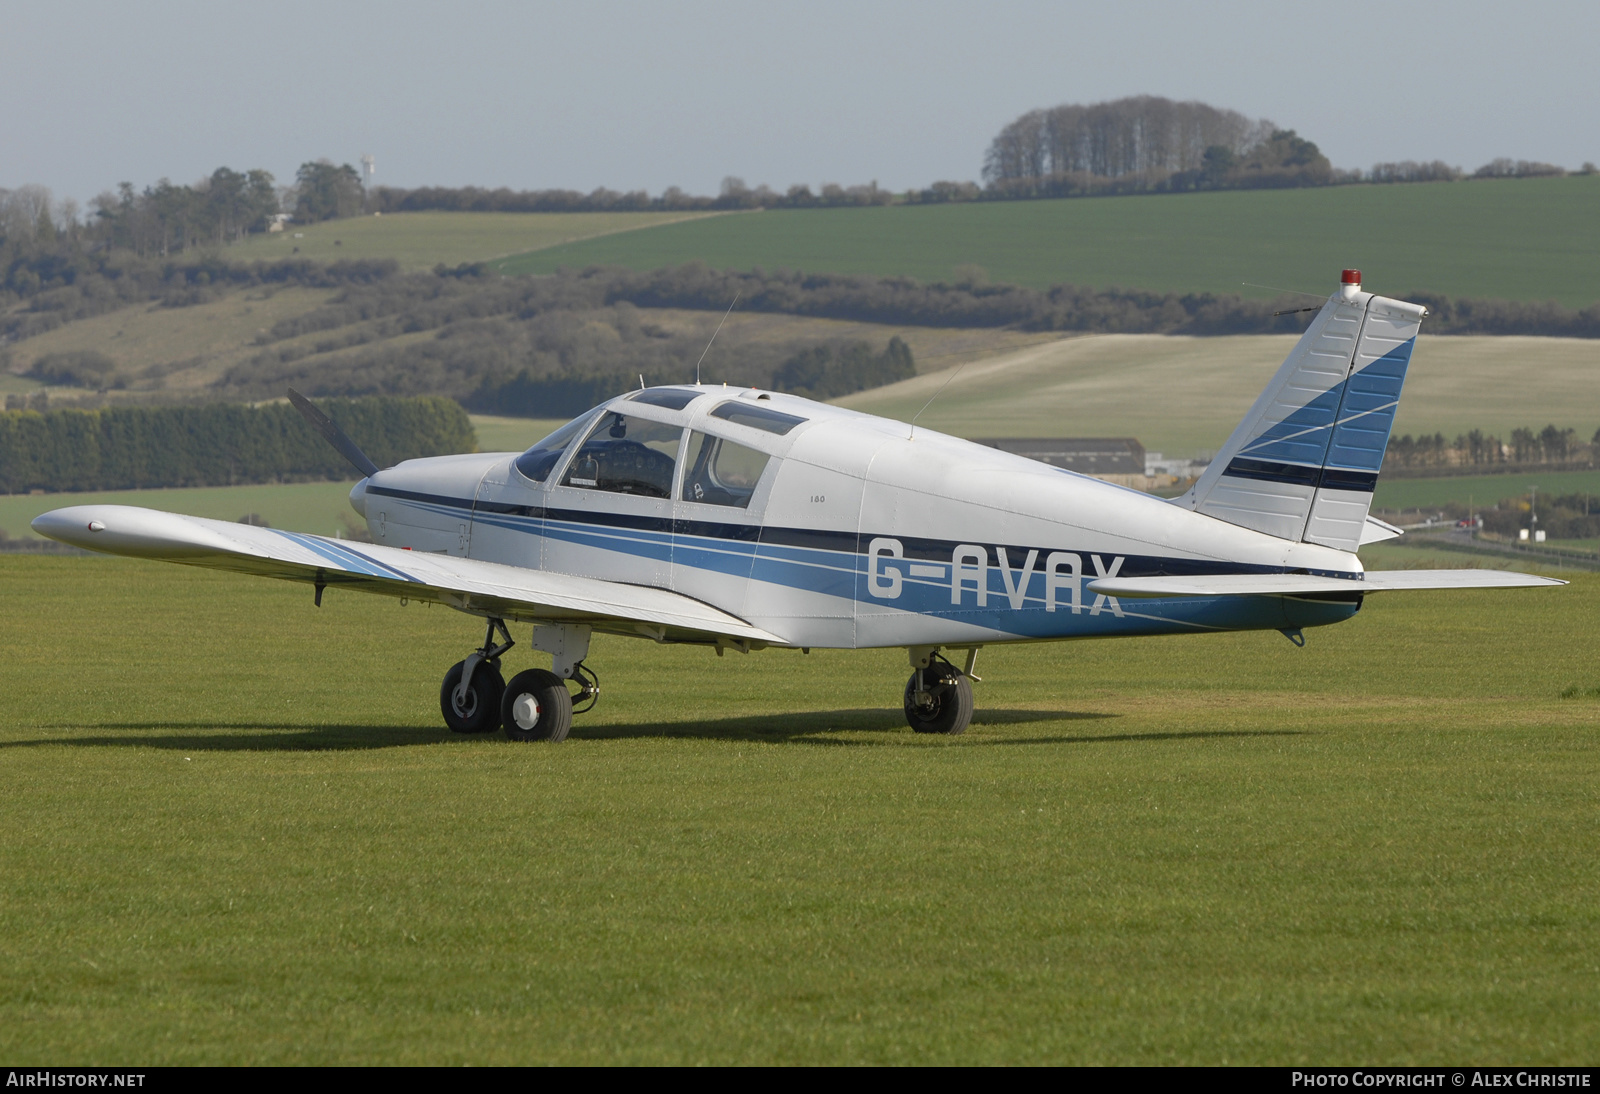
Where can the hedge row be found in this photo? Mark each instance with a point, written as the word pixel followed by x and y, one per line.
pixel 124 448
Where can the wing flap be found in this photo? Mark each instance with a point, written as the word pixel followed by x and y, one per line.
pixel 1378 581
pixel 484 588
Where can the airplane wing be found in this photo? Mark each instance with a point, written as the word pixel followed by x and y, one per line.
pixel 482 588
pixel 1374 581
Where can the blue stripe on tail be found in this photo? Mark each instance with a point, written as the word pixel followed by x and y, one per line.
pixel 1338 438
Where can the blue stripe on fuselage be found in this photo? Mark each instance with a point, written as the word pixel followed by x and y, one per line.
pixel 835 563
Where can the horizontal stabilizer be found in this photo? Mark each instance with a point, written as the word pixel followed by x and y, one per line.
pixel 470 585
pixel 1376 531
pixel 1379 581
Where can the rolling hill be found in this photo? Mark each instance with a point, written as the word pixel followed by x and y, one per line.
pixel 1183 395
pixel 1517 239
pixel 420 241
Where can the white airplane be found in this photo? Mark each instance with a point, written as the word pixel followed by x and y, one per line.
pixel 746 519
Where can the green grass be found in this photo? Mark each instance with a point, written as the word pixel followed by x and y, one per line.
pixel 1523 239
pixel 232 831
pixel 1184 395
pixel 1393 493
pixel 423 240
pixel 1420 551
pixel 11 383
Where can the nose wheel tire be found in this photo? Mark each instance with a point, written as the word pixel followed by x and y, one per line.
pixel 478 711
pixel 536 706
pixel 945 705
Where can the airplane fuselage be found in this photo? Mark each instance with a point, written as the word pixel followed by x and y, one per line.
pixel 839 529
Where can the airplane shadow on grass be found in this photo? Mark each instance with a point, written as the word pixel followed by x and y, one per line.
pixel 864 727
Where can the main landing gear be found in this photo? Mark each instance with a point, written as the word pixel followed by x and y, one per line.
pixel 938 696
pixel 536 705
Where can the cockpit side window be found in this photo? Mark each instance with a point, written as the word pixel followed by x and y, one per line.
pixel 537 462
pixel 722 472
pixel 627 455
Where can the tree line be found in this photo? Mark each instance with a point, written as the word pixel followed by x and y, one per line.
pixel 219 444
pixel 170 218
pixel 734 194
pixel 818 372
pixel 1525 449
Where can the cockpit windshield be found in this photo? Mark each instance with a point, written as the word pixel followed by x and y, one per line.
pixel 627 455
pixel 537 462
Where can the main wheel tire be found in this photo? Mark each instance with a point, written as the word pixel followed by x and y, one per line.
pixel 479 710
pixel 536 707
pixel 948 708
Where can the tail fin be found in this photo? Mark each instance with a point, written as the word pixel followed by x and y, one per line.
pixel 1303 463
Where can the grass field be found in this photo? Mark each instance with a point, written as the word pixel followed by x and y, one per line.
pixel 1185 395
pixel 232 831
pixel 1522 239
pixel 1481 489
pixel 497 434
pixel 423 240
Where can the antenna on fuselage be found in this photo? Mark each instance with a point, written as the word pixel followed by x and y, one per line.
pixel 713 338
pixel 932 397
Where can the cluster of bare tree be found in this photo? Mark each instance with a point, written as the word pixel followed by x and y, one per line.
pixel 169 218
pixel 1147 144
pixel 1141 135
pixel 1550 447
pixel 28 213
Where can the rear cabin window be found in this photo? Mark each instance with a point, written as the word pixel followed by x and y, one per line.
pixel 722 472
pixel 537 462
pixel 627 455
pixel 757 417
pixel 673 398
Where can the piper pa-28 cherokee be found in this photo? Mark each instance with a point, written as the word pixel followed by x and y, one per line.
pixel 746 519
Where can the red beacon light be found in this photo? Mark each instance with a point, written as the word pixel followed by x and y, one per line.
pixel 1349 284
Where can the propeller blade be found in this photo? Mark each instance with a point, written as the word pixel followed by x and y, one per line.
pixel 332 433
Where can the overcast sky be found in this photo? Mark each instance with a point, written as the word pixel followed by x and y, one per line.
pixel 645 96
